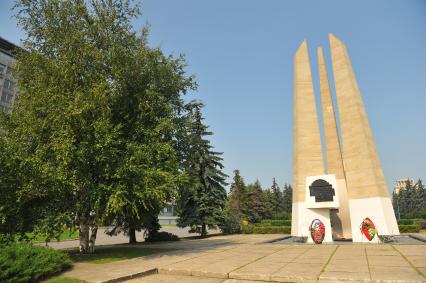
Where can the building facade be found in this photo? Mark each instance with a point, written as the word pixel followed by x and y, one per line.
pixel 402 184
pixel 8 87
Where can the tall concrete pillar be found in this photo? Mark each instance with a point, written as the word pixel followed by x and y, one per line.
pixel 367 190
pixel 307 151
pixel 340 219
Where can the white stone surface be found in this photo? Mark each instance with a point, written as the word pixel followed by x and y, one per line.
pixel 379 210
pixel 303 217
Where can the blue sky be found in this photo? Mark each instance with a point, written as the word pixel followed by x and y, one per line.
pixel 241 53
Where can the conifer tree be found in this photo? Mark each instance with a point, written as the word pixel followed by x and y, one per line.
pixel 202 204
pixel 287 198
pixel 255 206
pixel 237 195
pixel 276 198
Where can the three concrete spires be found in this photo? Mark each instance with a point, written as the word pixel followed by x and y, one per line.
pixel 352 158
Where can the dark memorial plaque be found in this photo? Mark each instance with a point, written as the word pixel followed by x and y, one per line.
pixel 321 190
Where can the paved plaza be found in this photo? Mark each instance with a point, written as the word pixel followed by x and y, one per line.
pixel 247 258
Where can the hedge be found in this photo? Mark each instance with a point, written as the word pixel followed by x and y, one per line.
pixel 273 222
pixel 422 224
pixel 409 228
pixel 281 216
pixel 405 222
pixel 23 262
pixel 254 229
pixel 161 236
pixel 247 229
pixel 272 230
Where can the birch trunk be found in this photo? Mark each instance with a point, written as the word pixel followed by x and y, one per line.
pixel 93 234
pixel 84 237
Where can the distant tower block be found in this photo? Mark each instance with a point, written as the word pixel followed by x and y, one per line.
pixel 366 185
pixel 307 151
pixel 340 218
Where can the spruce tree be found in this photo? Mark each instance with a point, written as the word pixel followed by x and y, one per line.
pixel 276 198
pixel 287 198
pixel 255 207
pixel 236 197
pixel 202 204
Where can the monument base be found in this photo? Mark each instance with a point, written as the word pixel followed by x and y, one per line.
pixel 302 218
pixel 379 210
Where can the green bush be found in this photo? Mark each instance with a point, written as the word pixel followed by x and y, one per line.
pixel 405 222
pixel 272 230
pixel 273 222
pixel 161 236
pixel 422 224
pixel 248 229
pixel 23 262
pixel 281 216
pixel 409 228
pixel 230 225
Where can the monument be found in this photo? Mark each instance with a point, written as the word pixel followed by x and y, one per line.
pixel 345 197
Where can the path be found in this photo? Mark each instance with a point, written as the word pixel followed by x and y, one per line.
pixel 104 239
pixel 247 257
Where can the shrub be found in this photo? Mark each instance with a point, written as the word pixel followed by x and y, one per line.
pixel 231 225
pixel 161 236
pixel 422 223
pixel 272 230
pixel 281 216
pixel 23 262
pixel 405 222
pixel 248 229
pixel 409 228
pixel 277 222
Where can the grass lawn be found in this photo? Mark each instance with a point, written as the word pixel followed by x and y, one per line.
pixel 62 280
pixel 68 235
pixel 114 253
pixel 423 231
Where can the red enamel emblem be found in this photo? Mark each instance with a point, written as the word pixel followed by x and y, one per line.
pixel 368 229
pixel 317 231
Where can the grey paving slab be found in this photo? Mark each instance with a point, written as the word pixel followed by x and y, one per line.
pixel 395 274
pixel 259 270
pixel 297 272
pixel 385 261
pixel 245 258
pixel 417 261
pixel 338 276
pixel 162 278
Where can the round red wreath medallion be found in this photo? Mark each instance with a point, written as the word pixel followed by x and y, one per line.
pixel 368 228
pixel 317 229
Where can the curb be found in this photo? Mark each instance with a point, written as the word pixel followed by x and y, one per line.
pixel 132 276
pixel 275 240
pixel 418 237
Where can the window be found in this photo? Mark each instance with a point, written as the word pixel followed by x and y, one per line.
pixel 2 68
pixel 6 96
pixel 9 71
pixel 169 208
pixel 9 84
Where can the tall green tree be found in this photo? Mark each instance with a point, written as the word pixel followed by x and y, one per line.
pixel 236 196
pixel 287 198
pixel 255 206
pixel 277 201
pixel 202 202
pixel 94 135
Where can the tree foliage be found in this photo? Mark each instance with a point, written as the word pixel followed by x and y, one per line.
pixel 202 201
pixel 95 136
pixel 411 201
